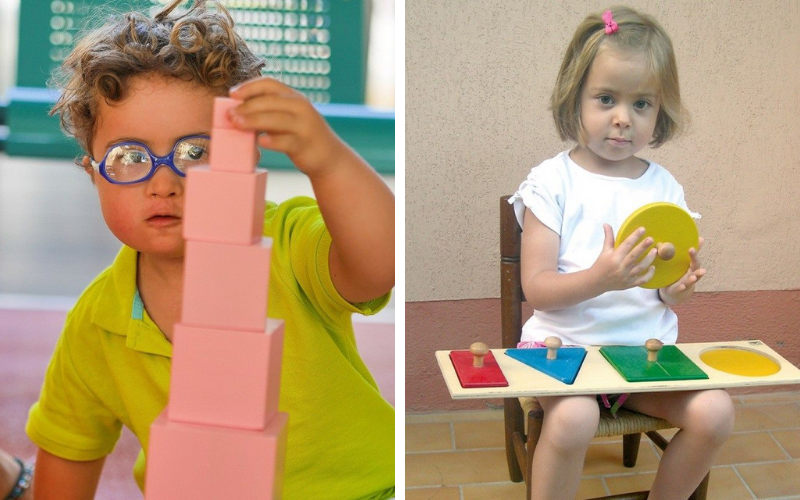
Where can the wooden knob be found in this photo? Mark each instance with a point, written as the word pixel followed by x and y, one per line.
pixel 653 346
pixel 552 344
pixel 478 350
pixel 665 251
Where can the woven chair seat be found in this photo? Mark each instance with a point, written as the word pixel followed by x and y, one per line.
pixel 627 422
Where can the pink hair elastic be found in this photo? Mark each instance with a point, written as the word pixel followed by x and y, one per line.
pixel 611 25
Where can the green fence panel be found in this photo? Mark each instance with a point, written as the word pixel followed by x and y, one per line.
pixel 317 46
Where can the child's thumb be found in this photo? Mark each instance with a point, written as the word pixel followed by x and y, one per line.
pixel 608 241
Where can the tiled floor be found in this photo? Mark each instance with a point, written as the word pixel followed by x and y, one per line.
pixel 460 456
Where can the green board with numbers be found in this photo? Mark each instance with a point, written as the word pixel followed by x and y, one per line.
pixel 319 47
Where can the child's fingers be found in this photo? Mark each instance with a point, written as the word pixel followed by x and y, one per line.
pixel 256 86
pixel 646 262
pixel 608 237
pixel 630 242
pixel 282 143
pixel 641 248
pixel 694 259
pixel 651 271
pixel 699 273
pixel 274 122
pixel 269 103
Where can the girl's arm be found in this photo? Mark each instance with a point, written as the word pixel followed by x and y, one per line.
pixel 615 268
pixel 59 479
pixel 357 206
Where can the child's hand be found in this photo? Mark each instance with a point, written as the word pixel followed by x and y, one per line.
pixel 684 288
pixel 288 123
pixel 619 268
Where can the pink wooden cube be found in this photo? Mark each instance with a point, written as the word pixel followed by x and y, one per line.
pixel 224 208
pixel 225 377
pixel 233 151
pixel 221 107
pixel 198 462
pixel 225 286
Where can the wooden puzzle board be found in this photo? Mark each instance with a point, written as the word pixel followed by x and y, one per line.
pixel 597 376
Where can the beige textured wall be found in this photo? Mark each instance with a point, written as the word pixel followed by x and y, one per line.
pixel 478 78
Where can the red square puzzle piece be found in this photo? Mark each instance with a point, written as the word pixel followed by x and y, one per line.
pixel 489 375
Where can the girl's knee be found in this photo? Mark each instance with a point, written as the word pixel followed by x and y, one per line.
pixel 573 419
pixel 711 416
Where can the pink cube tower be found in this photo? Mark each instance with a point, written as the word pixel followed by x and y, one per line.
pixel 222 420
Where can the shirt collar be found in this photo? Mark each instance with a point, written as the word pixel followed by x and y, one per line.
pixel 120 309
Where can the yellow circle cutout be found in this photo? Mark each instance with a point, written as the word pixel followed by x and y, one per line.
pixel 665 223
pixel 740 361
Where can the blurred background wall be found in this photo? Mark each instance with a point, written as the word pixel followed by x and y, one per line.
pixel 479 76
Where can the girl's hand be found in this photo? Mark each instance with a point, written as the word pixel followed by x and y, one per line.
pixel 684 288
pixel 620 268
pixel 287 122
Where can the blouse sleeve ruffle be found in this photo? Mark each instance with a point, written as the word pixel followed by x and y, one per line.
pixel 541 196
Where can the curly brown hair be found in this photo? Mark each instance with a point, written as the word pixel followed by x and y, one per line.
pixel 198 46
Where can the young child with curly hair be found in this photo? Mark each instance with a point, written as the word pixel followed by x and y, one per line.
pixel 152 82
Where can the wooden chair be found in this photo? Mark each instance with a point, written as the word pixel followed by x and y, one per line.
pixel 520 445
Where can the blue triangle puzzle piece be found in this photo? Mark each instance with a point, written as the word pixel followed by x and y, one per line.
pixel 565 368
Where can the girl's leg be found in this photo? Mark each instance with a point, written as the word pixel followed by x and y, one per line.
pixel 570 423
pixel 705 419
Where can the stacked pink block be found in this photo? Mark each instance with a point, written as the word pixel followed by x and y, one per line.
pixel 221 435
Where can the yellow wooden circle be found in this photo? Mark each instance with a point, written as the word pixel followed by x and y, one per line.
pixel 665 223
pixel 739 361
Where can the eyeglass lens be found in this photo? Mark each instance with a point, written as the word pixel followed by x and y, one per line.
pixel 132 162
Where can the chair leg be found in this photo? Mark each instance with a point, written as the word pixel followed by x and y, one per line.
pixel 520 454
pixel 639 495
pixel 657 439
pixel 514 424
pixel 535 420
pixel 702 489
pixel 630 449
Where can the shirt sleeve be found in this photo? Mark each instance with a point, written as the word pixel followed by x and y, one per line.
pixel 69 421
pixel 682 203
pixel 301 259
pixel 674 191
pixel 542 192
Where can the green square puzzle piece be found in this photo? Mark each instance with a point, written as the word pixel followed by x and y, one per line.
pixel 631 362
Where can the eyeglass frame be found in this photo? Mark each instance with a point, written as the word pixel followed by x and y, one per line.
pixel 155 161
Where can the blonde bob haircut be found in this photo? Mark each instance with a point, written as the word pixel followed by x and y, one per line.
pixel 637 33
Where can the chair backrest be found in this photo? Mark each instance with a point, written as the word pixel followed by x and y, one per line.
pixel 511 298
pixel 511 295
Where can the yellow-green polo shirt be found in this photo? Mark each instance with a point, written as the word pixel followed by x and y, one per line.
pixel 111 368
